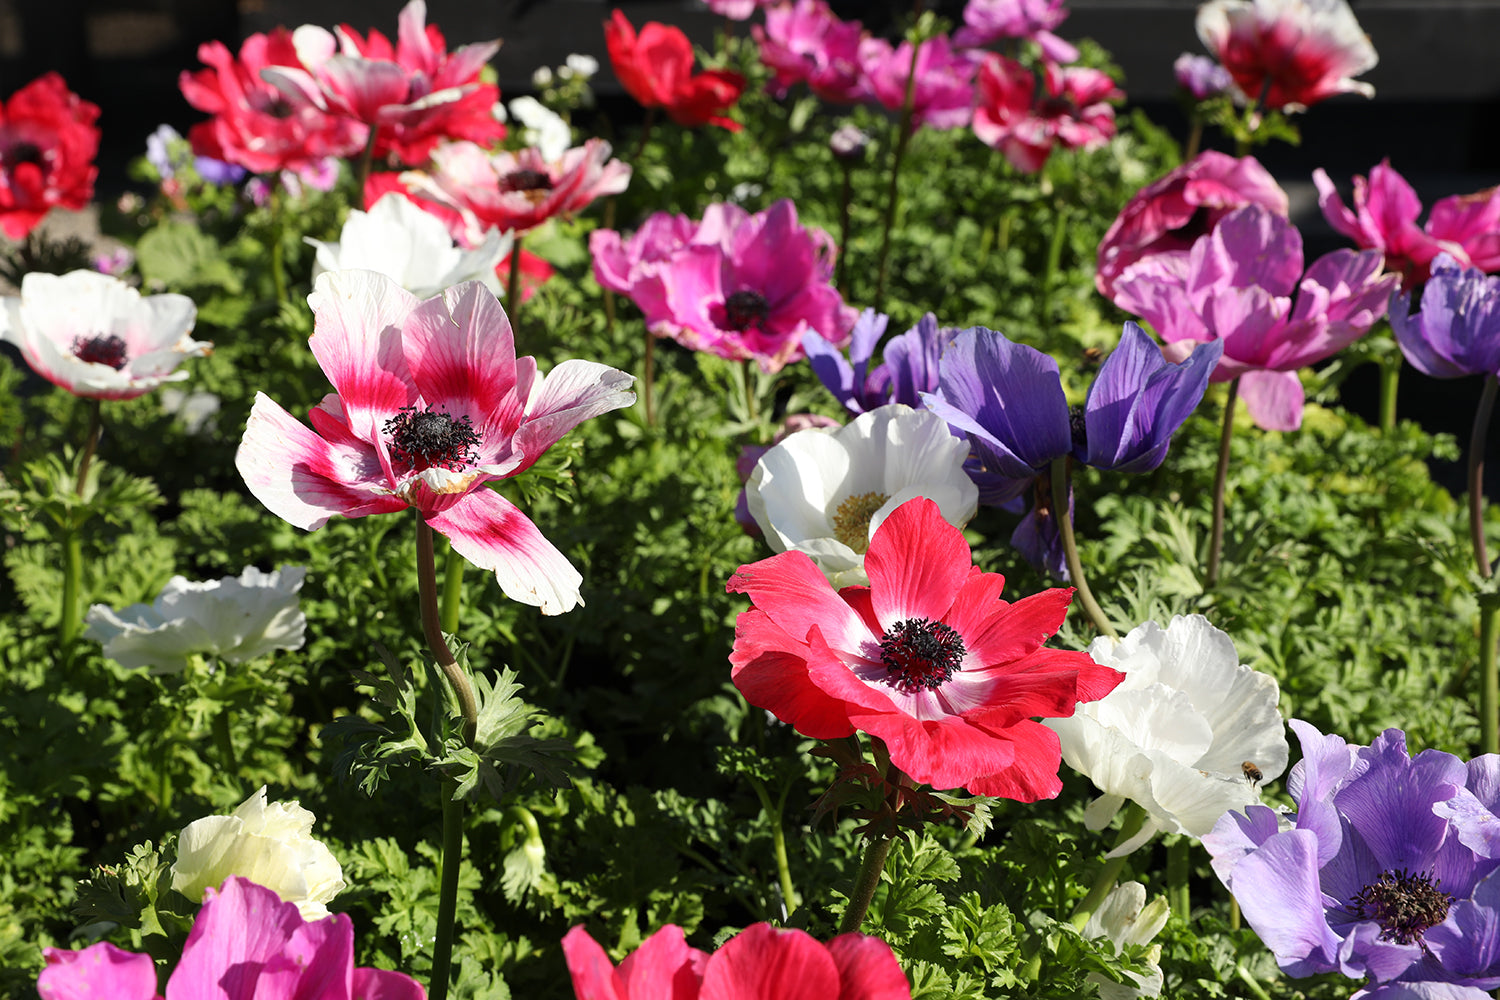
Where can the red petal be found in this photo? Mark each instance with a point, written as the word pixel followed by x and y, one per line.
pixel 761 962
pixel 771 671
pixel 795 594
pixel 917 562
pixel 868 969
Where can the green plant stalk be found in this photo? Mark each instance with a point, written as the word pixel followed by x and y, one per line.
pixel 846 194
pixel 278 251
pixel 1179 864
pixel 1054 261
pixel 224 742
pixel 1250 983
pixel 70 615
pixel 1110 872
pixel 1390 379
pixel 1070 549
pixel 453 856
pixel 648 378
pixel 366 160
pixel 513 289
pixel 453 590
pixel 1221 478
pixel 1478 437
pixel 432 629
pixel 903 138
pixel 865 884
pixel 778 842
pixel 1195 138
pixel 1489 680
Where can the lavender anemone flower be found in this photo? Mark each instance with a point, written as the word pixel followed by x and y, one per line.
pixel 1457 330
pixel 1386 871
pixel 1008 398
pixel 909 368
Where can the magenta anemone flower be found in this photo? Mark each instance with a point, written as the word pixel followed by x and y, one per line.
pixel 415 93
pixel 1288 54
pixel 986 21
pixel 806 42
pixel 737 10
pixel 1187 202
pixel 751 286
pixel 246 944
pixel 927 658
pixel 759 962
pixel 1236 284
pixel 943 97
pixel 629 266
pixel 430 404
pixel 1073 110
pixel 1466 227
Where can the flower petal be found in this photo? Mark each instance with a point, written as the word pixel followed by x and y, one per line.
pixel 493 534
pixel 762 961
pixel 916 563
pixel 357 335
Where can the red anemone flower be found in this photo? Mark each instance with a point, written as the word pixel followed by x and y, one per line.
pixel 656 68
pixel 47 147
pixel 927 658
pixel 430 404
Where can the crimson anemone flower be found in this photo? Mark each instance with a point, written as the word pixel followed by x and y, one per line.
pixel 47 147
pixel 760 961
pixel 415 93
pixel 808 42
pixel 430 403
pixel 1288 54
pixel 943 94
pixel 1072 110
pixel 656 68
pixel 927 658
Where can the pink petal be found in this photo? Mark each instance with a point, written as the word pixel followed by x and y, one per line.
pixel 1274 399
pixel 795 594
pixel 762 962
pixel 571 393
pixel 461 352
pixel 363 86
pixel 1033 776
pixel 98 971
pixel 664 967
pixel 916 563
pixel 304 479
pixel 378 984
pixel 868 969
pixel 770 668
pixel 592 972
pixel 357 332
pixel 493 534
pixel 944 753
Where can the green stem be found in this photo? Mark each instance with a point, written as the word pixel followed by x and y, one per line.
pixel 458 682
pixel 1054 261
pixel 1110 872
pixel 865 884
pixel 1221 477
pixel 648 378
pixel 1489 680
pixel 513 289
pixel 1390 377
pixel 1195 139
pixel 1179 864
pixel 453 590
pixel 224 742
pixel 1251 984
pixel 90 445
pixel 1477 440
pixel 846 195
pixel 1070 548
pixel 278 250
pixel 752 401
pixel 778 842
pixel 903 137
pixel 365 162
pixel 72 611
pixel 453 856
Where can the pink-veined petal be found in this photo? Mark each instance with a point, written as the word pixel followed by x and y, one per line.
pixel 357 335
pixel 568 395
pixel 493 534
pixel 461 352
pixel 1274 399
pixel 795 594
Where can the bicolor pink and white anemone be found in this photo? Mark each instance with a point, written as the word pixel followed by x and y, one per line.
pixel 1288 54
pixel 97 337
pixel 430 403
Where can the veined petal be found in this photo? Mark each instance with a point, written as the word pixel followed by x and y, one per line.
pixel 100 970
pixel 868 969
pixel 568 395
pixel 493 534
pixel 762 961
pixel 916 563
pixel 795 594
pixel 461 353
pixel 1274 399
pixel 358 319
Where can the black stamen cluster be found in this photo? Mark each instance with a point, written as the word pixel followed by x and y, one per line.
pixel 744 309
pixel 421 439
pixel 105 350
pixel 527 180
pixel 1078 427
pixel 921 653
pixel 1403 903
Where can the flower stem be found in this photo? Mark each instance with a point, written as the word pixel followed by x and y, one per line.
pixel 778 842
pixel 1179 863
pixel 1110 872
pixel 1477 440
pixel 224 742
pixel 70 616
pixel 513 289
pixel 868 880
pixel 365 162
pixel 278 250
pixel 1195 138
pixel 1489 680
pixel 1054 261
pixel 463 691
pixel 845 196
pixel 453 855
pixel 648 378
pixel 90 445
pixel 1250 983
pixel 1070 548
pixel 903 137
pixel 1221 476
pixel 1390 377
pixel 453 590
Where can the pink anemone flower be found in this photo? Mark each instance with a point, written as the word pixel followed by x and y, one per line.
pixel 928 658
pixel 97 337
pixel 1288 54
pixel 1073 110
pixel 246 944
pixel 988 20
pixel 807 42
pixel 415 93
pixel 430 404
pixel 760 961
pixel 943 96
pixel 1236 283
pixel 1467 227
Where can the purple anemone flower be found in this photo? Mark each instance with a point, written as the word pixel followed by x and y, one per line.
pixel 1457 330
pixel 1386 872
pixel 910 365
pixel 1008 398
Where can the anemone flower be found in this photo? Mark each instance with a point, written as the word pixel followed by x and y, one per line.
pixel 806 42
pixel 827 494
pixel 909 365
pixel 48 142
pixel 760 961
pixel 246 944
pixel 943 91
pixel 430 404
pixel 97 337
pixel 1200 76
pixel 1386 871
pixel 986 21
pixel 1176 735
pixel 656 68
pixel 927 658
pixel 1456 331
pixel 1288 54
pixel 1073 110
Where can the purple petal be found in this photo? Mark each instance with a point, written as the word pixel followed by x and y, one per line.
pixel 1277 887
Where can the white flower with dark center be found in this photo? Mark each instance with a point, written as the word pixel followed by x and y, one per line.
pixel 398 239
pixel 824 493
pixel 270 844
pixel 235 619
pixel 1125 919
pixel 1190 734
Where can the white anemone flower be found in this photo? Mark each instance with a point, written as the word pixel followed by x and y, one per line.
pixel 1126 919
pixel 1188 735
pixel 824 493
pixel 236 619
pixel 542 127
pixel 412 248
pixel 270 844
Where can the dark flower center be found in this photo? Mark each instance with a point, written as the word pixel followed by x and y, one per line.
pixel 527 180
pixel 21 152
pixel 1078 426
pixel 106 350
pixel 920 653
pixel 744 309
pixel 1403 904
pixel 421 439
pixel 1056 107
